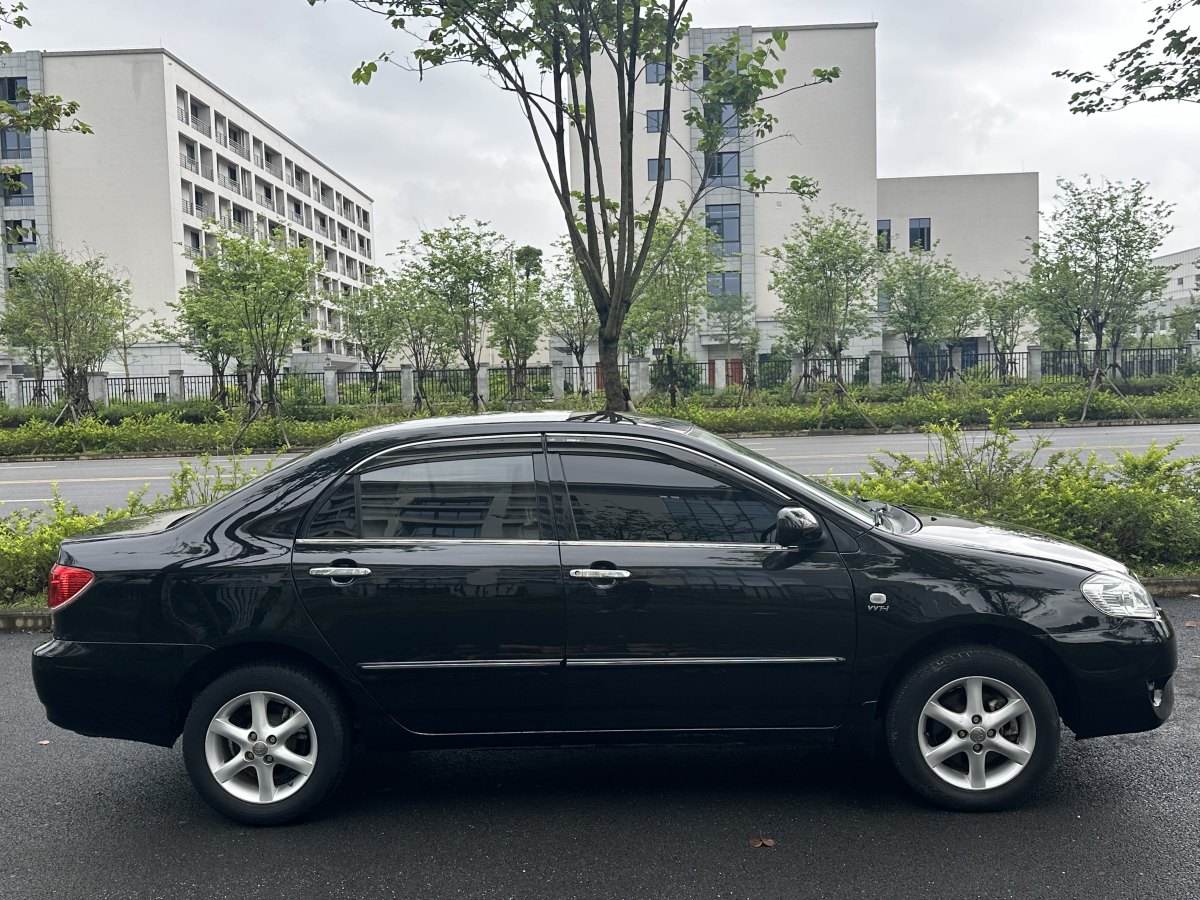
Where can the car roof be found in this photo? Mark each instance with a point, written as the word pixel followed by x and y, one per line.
pixel 510 423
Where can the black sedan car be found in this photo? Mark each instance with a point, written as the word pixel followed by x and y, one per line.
pixel 558 578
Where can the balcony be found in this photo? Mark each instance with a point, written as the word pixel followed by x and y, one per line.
pixel 240 149
pixel 331 265
pixel 189 163
pixel 328 204
pixel 258 160
pixel 345 242
pixel 192 252
pixel 274 169
pixel 227 182
pixel 322 231
pixel 189 208
pixel 243 228
pixel 247 191
pixel 201 126
pixel 182 114
pixel 206 172
pixel 296 217
pixel 205 212
pixel 221 138
pixel 264 200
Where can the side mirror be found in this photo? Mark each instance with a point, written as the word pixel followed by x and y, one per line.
pixel 796 526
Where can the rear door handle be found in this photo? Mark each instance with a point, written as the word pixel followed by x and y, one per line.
pixel 599 574
pixel 339 571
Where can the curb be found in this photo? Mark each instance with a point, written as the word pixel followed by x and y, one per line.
pixel 14 621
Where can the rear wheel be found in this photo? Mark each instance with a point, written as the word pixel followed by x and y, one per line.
pixel 973 729
pixel 263 744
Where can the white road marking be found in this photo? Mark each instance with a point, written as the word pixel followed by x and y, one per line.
pixel 6 466
pixel 26 500
pixel 89 480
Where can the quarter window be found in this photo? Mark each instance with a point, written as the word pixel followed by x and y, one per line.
pixel 630 498
pixel 485 498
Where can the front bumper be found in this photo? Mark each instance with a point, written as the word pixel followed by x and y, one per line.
pixel 1122 677
pixel 128 691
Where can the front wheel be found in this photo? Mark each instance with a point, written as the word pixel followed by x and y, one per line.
pixel 973 729
pixel 263 744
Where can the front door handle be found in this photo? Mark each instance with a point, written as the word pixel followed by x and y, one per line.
pixel 339 571
pixel 599 574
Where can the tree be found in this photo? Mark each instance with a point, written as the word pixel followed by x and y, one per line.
pixel 461 267
pixel 373 320
pixel 130 330
pixel 1165 66
pixel 78 304
pixel 673 297
pixel 731 317
pixel 1093 272
pixel 261 291
pixel 515 315
pixel 916 286
pixel 202 326
pixel 963 301
pixel 826 277
pixel 554 57
pixel 425 328
pixel 32 112
pixel 1005 312
pixel 570 315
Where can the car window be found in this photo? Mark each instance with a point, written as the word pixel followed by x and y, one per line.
pixel 485 498
pixel 634 498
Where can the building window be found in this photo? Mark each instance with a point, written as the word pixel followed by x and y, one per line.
pixel 724 283
pixel 882 301
pixel 18 189
pixel 656 73
pixel 883 233
pixel 20 234
pixel 654 120
pixel 652 169
pixel 16 145
pixel 724 220
pixel 920 234
pixel 1179 281
pixel 15 91
pixel 723 168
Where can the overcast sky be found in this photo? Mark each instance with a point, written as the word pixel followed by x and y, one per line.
pixel 963 87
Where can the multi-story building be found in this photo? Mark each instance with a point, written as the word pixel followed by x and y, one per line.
pixel 171 151
pixel 1182 288
pixel 828 132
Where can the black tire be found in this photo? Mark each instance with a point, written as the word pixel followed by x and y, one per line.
pixel 323 743
pixel 1025 748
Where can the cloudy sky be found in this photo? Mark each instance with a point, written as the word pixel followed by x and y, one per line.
pixel 962 87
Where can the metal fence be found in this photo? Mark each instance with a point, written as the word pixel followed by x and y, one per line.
pixel 997 366
pixel 435 384
pixel 588 380
pixel 510 384
pixel 139 389
pixel 47 392
pixel 1148 362
pixel 774 373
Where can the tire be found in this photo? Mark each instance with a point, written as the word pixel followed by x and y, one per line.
pixel 285 771
pixel 967 691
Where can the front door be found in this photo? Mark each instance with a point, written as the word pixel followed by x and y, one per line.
pixel 436 579
pixel 682 613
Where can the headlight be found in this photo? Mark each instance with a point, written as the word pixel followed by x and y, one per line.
pixel 1119 595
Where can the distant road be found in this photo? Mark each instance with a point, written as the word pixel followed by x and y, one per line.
pixel 94 484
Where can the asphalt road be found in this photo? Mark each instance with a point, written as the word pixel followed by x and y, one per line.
pixel 94 484
pixel 85 817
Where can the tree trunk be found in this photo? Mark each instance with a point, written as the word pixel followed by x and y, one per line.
pixel 216 391
pixel 76 386
pixel 581 387
pixel 610 372
pixel 473 375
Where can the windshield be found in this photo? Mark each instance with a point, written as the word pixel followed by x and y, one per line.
pixel 855 509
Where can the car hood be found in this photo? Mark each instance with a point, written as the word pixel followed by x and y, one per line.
pixel 940 530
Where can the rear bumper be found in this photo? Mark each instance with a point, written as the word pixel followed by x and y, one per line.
pixel 128 691
pixel 1123 681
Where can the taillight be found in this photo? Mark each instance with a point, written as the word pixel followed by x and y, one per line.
pixel 66 583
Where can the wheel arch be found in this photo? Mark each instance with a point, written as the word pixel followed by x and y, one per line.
pixel 221 660
pixel 1020 644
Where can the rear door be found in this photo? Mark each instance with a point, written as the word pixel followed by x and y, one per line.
pixel 682 611
pixel 434 573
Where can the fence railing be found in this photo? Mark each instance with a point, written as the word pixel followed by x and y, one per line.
pixel 139 389
pixel 44 393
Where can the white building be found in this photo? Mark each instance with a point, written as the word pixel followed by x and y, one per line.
pixel 1183 286
pixel 170 151
pixel 828 132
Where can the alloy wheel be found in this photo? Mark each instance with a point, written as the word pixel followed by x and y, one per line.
pixel 261 747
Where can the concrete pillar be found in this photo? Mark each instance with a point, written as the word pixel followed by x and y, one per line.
pixel 330 383
pixel 875 368
pixel 407 390
pixel 12 392
pixel 175 385
pixel 483 384
pixel 1192 346
pixel 556 379
pixel 956 362
pixel 720 374
pixel 797 368
pixel 1034 372
pixel 639 378
pixel 97 388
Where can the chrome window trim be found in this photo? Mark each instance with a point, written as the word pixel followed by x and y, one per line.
pixel 393 542
pixel 697 545
pixel 533 439
pixel 618 439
